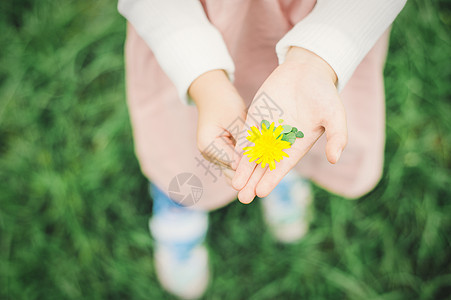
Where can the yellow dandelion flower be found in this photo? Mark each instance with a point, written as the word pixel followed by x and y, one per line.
pixel 268 145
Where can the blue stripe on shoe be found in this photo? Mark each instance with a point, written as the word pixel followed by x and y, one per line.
pixel 283 191
pixel 182 251
pixel 168 211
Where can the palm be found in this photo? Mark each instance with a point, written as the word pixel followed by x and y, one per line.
pixel 303 99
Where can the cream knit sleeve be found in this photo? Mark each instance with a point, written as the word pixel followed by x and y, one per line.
pixel 341 32
pixel 184 42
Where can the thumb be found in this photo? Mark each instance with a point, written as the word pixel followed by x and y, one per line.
pixel 337 135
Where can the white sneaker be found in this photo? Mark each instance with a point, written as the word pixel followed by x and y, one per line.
pixel 181 259
pixel 286 209
pixel 184 276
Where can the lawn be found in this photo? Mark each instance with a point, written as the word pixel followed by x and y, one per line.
pixel 74 206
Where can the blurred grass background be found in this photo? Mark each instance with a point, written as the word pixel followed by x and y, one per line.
pixel 74 207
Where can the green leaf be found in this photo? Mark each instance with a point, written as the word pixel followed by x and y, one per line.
pixel 299 134
pixel 291 135
pixel 286 128
pixel 266 124
pixel 294 130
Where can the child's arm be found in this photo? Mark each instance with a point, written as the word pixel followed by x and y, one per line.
pixel 317 57
pixel 193 54
pixel 181 37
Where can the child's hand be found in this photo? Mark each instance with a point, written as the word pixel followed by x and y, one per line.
pixel 304 89
pixel 219 105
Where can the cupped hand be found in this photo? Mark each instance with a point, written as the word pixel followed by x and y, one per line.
pixel 219 106
pixel 303 88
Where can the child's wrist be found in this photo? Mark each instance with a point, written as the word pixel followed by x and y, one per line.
pixel 304 57
pixel 210 87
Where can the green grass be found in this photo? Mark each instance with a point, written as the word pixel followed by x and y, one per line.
pixel 74 207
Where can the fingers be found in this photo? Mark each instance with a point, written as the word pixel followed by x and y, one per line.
pixel 243 173
pixel 337 136
pixel 224 156
pixel 229 174
pixel 244 167
pixel 239 137
pixel 247 194
pixel 236 160
pixel 220 151
pixel 272 177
